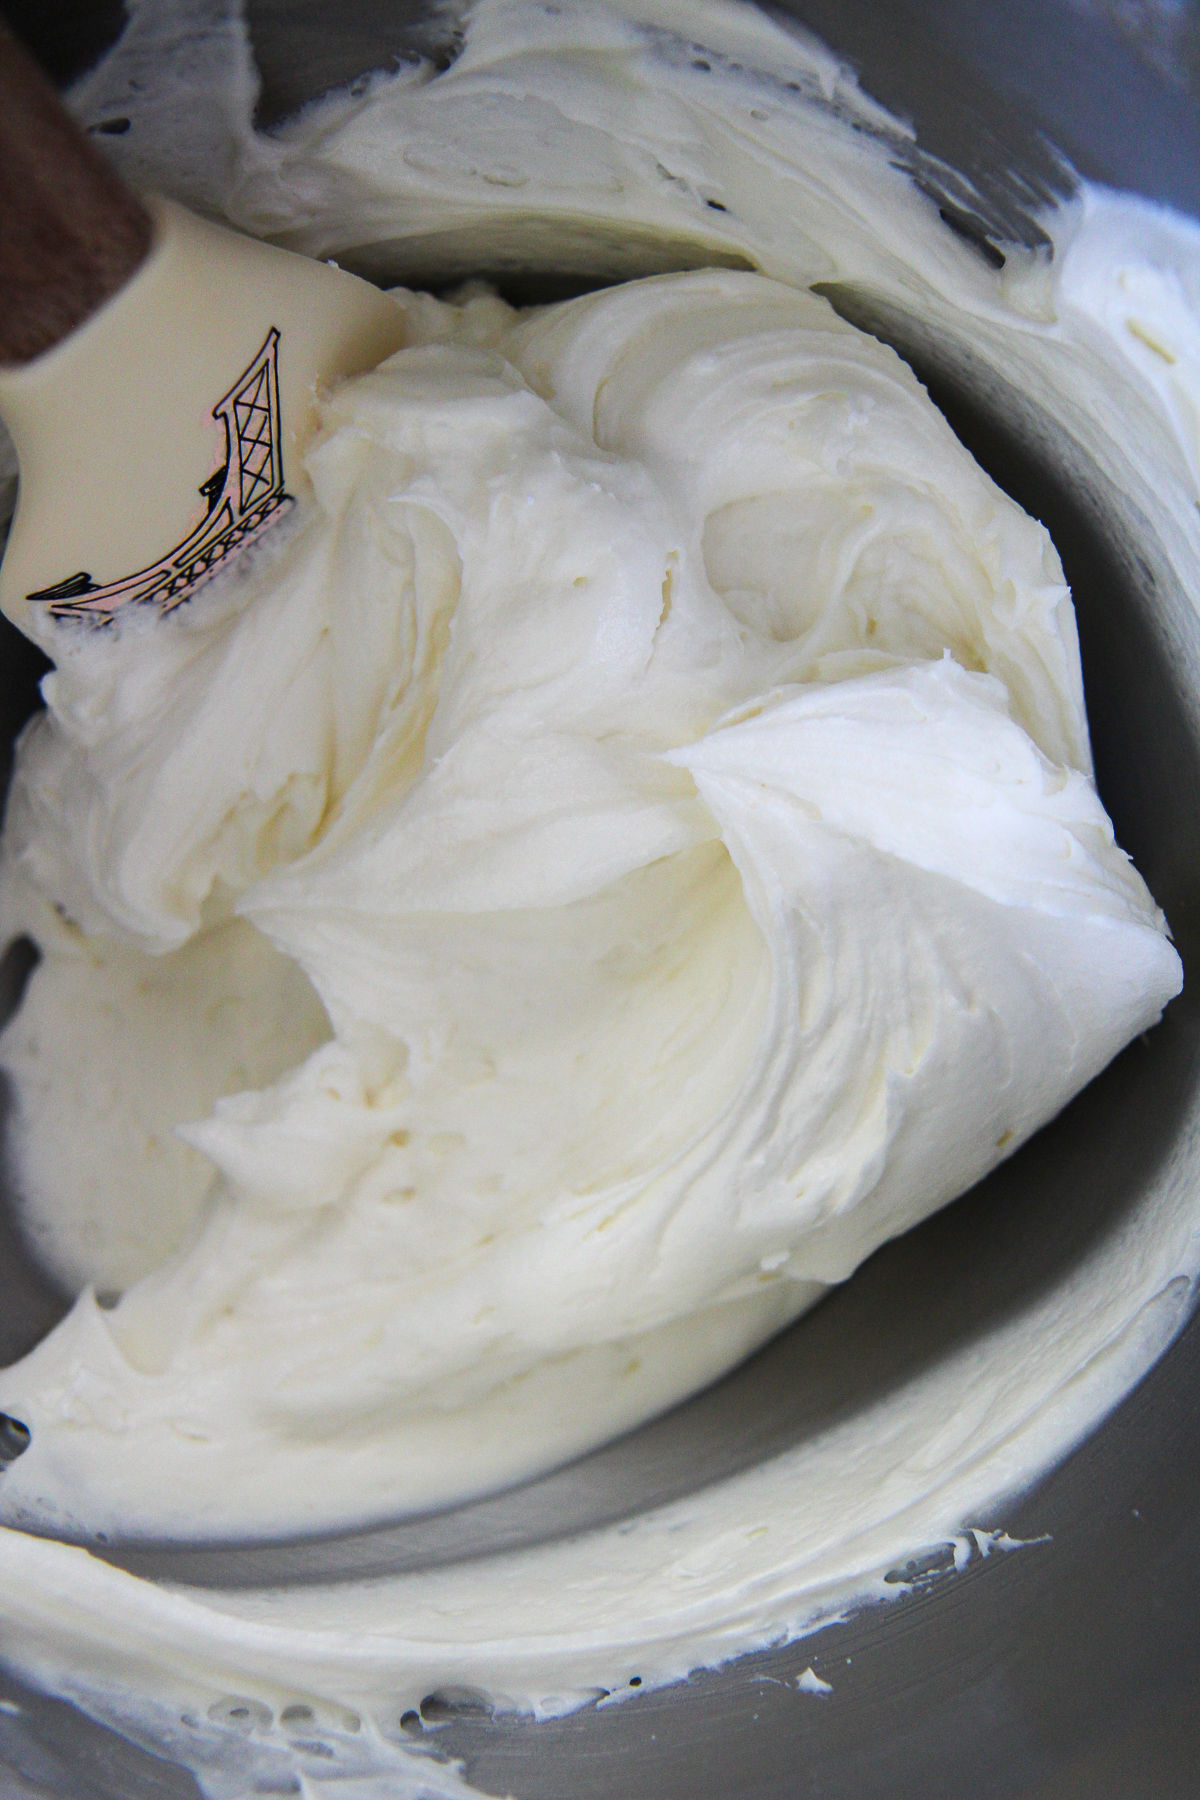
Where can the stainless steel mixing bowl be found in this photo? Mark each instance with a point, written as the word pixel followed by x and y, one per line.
pixel 1072 1669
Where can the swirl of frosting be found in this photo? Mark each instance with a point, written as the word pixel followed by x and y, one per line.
pixel 630 851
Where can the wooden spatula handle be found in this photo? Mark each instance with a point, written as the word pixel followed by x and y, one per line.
pixel 71 233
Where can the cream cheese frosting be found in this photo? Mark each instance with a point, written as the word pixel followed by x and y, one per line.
pixel 626 852
pixel 666 761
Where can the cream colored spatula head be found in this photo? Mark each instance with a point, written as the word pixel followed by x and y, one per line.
pixel 159 375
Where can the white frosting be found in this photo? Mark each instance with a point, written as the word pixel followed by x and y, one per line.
pixel 663 752
pixel 629 851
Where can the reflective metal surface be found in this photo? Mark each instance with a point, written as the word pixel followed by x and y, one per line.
pixel 1072 1669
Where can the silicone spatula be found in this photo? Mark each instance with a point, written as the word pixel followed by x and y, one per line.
pixel 158 374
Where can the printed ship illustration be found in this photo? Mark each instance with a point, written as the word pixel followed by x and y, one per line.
pixel 243 496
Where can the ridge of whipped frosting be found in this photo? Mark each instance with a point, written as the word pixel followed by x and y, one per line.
pixel 774 822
